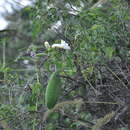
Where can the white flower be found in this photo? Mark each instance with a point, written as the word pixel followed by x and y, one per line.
pixel 62 45
pixel 99 5
pixel 63 42
pixel 57 46
pixel 46 44
pixel 26 62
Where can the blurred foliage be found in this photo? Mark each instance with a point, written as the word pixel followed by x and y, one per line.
pixel 98 36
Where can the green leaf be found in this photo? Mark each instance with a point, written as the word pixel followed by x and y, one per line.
pixel 32 108
pixel 109 52
pixel 36 88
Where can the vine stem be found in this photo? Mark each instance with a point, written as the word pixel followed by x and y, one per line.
pixel 4 58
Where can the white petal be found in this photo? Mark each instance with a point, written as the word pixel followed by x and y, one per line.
pixel 57 46
pixel 67 48
pixel 99 5
pixel 63 42
pixel 46 44
pixel 63 46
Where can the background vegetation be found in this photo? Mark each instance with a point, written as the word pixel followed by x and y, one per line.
pixel 95 72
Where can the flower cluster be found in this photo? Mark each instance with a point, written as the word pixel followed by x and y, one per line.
pixel 62 45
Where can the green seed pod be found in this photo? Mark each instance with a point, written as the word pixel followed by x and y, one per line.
pixel 52 90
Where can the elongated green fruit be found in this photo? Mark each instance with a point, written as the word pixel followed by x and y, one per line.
pixel 52 90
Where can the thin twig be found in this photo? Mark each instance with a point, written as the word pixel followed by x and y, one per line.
pixel 117 77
